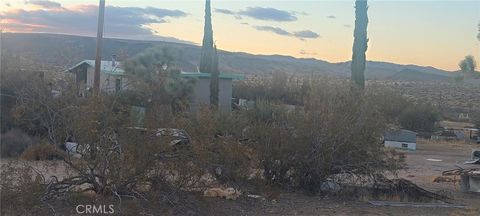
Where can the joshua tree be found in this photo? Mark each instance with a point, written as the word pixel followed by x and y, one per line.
pixel 154 75
pixel 360 43
pixel 209 58
pixel 468 64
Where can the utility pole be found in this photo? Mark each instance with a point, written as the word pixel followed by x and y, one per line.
pixel 98 57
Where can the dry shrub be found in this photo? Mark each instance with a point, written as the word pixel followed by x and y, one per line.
pixel 21 188
pixel 41 152
pixel 289 89
pixel 336 133
pixel 475 119
pixel 14 142
pixel 216 144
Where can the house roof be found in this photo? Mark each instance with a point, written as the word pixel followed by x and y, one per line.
pixel 401 135
pixel 207 75
pixel 106 67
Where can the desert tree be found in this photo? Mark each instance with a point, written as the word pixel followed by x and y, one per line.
pixel 360 43
pixel 209 58
pixel 468 64
pixel 208 51
pixel 154 75
pixel 419 117
pixel 151 65
pixel 214 81
pixel 37 109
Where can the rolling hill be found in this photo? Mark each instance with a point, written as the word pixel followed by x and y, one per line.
pixel 63 51
pixel 415 75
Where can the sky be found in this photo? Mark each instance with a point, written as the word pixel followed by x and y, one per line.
pixel 427 33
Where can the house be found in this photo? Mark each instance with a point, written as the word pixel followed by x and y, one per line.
pixel 402 139
pixel 113 79
pixel 112 76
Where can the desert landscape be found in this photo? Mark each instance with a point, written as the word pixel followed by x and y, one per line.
pixel 239 108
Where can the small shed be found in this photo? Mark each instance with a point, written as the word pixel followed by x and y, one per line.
pixel 401 139
pixel 201 91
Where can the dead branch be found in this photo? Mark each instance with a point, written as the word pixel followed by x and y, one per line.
pixel 397 186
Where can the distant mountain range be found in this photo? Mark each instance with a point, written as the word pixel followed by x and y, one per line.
pixel 64 51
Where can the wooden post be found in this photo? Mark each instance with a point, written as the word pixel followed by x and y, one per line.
pixel 98 57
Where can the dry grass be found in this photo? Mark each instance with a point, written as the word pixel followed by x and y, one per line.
pixel 453 98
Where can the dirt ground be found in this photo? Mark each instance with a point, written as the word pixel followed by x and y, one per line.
pixel 452 155
pixel 420 171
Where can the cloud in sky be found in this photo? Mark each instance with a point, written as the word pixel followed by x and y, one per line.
pixel 44 3
pixel 261 13
pixel 224 11
pixel 300 12
pixel 127 22
pixel 275 30
pixel 331 17
pixel 302 35
pixel 306 34
pixel 272 14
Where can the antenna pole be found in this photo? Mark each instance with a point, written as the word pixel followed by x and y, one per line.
pixel 98 57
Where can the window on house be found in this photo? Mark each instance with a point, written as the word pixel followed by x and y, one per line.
pixel 404 145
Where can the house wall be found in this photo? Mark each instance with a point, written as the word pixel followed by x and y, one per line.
pixel 401 145
pixel 107 81
pixel 201 94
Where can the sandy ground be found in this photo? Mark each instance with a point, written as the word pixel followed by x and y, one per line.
pixel 419 170
pixel 452 155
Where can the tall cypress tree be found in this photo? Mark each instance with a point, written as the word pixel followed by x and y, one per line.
pixel 214 80
pixel 209 58
pixel 207 44
pixel 360 43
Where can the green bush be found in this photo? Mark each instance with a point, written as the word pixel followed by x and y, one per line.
pixel 419 118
